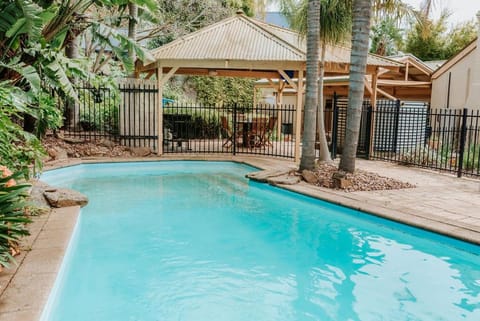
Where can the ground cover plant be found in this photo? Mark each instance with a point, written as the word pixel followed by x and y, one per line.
pixel 12 214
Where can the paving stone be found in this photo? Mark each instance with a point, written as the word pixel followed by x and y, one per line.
pixel 24 315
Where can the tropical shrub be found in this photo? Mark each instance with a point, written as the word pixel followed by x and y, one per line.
pixel 48 115
pixel 199 123
pixel 12 214
pixel 19 150
pixel 222 90
pixel 423 155
pixel 471 158
pixel 99 109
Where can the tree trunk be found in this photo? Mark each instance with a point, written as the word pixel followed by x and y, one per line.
pixel 71 112
pixel 72 48
pixel 358 61
pixel 132 32
pixel 309 117
pixel 324 154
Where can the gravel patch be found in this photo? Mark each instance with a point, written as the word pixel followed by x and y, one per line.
pixel 360 180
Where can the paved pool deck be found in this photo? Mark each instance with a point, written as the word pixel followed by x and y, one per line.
pixel 440 202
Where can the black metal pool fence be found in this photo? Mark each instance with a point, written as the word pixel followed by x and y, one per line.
pixel 130 116
pixel 410 133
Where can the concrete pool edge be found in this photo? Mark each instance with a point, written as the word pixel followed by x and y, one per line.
pixel 431 224
pixel 27 293
pixel 30 283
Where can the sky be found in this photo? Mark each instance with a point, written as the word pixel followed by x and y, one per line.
pixel 462 10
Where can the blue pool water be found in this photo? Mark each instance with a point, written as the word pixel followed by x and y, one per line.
pixel 196 241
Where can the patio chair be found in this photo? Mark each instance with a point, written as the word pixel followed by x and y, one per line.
pixel 269 131
pixel 256 136
pixel 226 132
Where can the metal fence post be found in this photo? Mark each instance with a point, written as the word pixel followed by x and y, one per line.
pixel 396 125
pixel 334 127
pixel 463 138
pixel 234 124
pixel 368 133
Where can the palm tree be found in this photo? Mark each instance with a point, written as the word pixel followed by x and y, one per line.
pixel 362 11
pixel 307 160
pixel 335 26
pixel 427 6
pixel 394 10
pixel 132 30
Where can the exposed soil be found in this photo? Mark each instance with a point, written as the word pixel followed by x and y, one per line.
pixel 63 148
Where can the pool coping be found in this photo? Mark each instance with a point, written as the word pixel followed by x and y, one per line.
pixel 28 285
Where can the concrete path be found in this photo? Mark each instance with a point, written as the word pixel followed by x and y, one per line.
pixel 440 202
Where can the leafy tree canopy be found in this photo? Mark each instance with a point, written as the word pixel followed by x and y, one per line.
pixel 222 91
pixel 183 17
pixel 431 40
pixel 386 38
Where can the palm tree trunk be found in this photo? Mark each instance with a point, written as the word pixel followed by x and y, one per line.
pixel 309 117
pixel 324 155
pixel 362 11
pixel 132 31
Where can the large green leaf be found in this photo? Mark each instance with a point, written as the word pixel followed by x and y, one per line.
pixel 29 21
pixel 26 71
pixel 120 44
pixel 57 73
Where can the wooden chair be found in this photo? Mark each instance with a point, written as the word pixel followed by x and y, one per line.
pixel 256 136
pixel 227 132
pixel 270 128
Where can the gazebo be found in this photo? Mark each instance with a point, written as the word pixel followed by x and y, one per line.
pixel 241 46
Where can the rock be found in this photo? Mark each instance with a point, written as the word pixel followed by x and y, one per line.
pixel 309 177
pixel 52 153
pixel 64 197
pixel 36 195
pixel 140 151
pixel 263 176
pixel 340 180
pixel 72 140
pixel 60 153
pixel 107 143
pixel 284 180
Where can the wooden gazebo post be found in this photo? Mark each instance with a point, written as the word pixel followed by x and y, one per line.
pixel 279 104
pixel 373 99
pixel 298 115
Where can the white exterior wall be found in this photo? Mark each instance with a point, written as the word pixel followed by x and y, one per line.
pixel 460 85
pixel 465 81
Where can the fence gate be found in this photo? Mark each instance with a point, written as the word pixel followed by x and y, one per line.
pixel 138 123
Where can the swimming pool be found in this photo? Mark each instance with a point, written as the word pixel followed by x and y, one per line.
pixel 196 241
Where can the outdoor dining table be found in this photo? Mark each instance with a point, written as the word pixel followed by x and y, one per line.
pixel 251 132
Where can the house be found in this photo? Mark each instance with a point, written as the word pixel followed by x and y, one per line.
pixel 456 84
